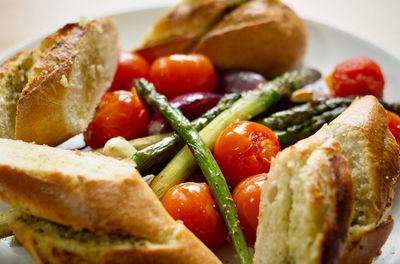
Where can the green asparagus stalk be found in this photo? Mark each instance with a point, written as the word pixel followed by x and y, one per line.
pixel 205 160
pixel 302 113
pixel 5 230
pixel 251 104
pixel 297 132
pixel 163 151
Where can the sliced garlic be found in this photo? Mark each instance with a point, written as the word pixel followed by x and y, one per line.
pixel 118 147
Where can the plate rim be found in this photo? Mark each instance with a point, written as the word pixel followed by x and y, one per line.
pixel 151 6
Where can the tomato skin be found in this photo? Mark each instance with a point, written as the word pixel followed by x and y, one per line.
pixel 247 197
pixel 394 125
pixel 130 66
pixel 244 149
pixel 193 204
pixel 120 113
pixel 180 74
pixel 357 76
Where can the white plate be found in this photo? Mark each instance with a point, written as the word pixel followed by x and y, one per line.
pixel 326 47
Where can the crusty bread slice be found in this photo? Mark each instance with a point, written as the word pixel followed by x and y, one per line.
pixel 75 66
pixel 373 156
pixel 13 78
pixel 92 192
pixel 48 242
pixel 306 204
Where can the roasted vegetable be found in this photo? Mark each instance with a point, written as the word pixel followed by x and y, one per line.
pixel 166 148
pixel 251 104
pixel 191 105
pixel 206 162
pixel 299 114
pixel 239 81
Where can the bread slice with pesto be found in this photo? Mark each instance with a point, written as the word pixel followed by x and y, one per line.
pixel 306 204
pixel 61 192
pixel 50 93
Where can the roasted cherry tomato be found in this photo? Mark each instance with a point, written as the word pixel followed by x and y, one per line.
pixel 193 204
pixel 357 76
pixel 120 113
pixel 180 74
pixel 130 66
pixel 247 199
pixel 394 125
pixel 244 149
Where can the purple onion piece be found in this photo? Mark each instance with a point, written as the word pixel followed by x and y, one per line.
pixel 192 105
pixel 234 81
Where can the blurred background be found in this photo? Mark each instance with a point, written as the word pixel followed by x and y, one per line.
pixel 377 21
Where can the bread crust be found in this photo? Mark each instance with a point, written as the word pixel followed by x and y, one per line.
pixel 331 197
pixel 78 59
pixel 268 35
pixel 120 203
pixel 369 246
pixel 368 116
pixel 13 78
pixel 48 248
pixel 181 27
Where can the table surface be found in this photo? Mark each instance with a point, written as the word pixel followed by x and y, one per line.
pixel 374 20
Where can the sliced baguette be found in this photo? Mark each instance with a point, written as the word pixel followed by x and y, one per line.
pixel 48 242
pixel 306 204
pixel 13 78
pixel 373 156
pixel 52 96
pixel 90 192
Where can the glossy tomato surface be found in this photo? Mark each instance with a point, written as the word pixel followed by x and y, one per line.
pixel 394 125
pixel 357 76
pixel 244 149
pixel 130 66
pixel 120 113
pixel 247 199
pixel 193 204
pixel 180 74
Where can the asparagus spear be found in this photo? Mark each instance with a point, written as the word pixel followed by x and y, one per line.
pixel 302 113
pixel 251 104
pixel 167 147
pixel 297 132
pixel 205 160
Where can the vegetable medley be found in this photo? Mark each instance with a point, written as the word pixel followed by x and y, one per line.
pixel 244 119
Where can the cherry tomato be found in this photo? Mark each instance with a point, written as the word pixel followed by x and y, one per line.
pixel 180 74
pixel 130 66
pixel 247 199
pixel 193 204
pixel 357 76
pixel 394 125
pixel 120 113
pixel 244 149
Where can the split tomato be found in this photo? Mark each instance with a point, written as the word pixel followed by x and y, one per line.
pixel 244 149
